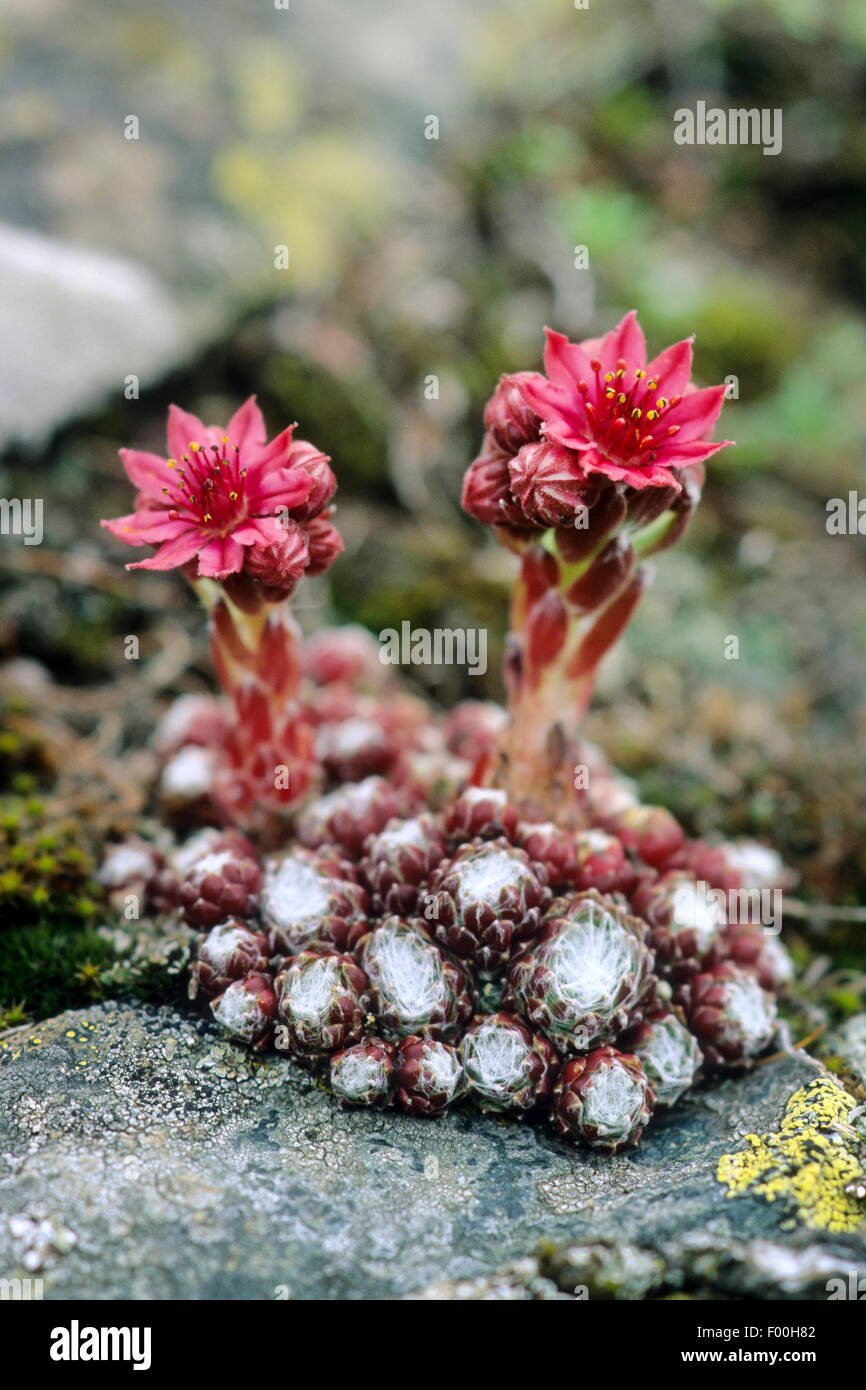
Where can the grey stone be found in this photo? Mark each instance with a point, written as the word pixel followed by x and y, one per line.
pixel 176 1165
pixel 848 1041
pixel 82 322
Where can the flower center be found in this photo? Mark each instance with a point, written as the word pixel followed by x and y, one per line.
pixel 210 486
pixel 627 421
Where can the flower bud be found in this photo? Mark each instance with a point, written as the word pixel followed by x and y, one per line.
pixel 277 568
pixel 323 484
pixel 508 417
pixel 549 483
pixel 324 541
pixel 487 489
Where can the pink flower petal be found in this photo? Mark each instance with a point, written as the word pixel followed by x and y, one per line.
pixel 145 528
pixel 672 368
pixel 223 555
pixel 148 472
pixel 259 531
pixel 184 429
pixel 565 363
pixel 278 488
pixel 246 428
pixel 275 454
pixel 691 451
pixel 626 341
pixel 696 413
pixel 559 409
pixel 637 476
pixel 173 553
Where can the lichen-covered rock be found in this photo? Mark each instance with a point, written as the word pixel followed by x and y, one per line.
pixel 228 1147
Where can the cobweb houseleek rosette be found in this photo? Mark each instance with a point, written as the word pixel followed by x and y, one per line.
pixel 585 471
pixel 244 518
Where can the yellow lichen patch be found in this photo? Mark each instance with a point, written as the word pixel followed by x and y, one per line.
pixel 810 1160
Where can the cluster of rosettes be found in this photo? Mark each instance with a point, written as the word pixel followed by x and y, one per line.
pixel 611 978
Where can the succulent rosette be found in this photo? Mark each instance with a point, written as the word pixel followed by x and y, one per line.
pixel 430 777
pixel 603 1100
pixel 669 1053
pixel 220 885
pixel 228 952
pixel 311 896
pixel 686 925
pixel 322 1002
pixel 473 729
pixel 556 848
pixel 586 977
pixel 133 866
pixel 354 748
pixel 344 656
pixel 246 1011
pixel 650 832
pixel 399 859
pixel 415 987
pixel 602 863
pixel 748 945
pixel 350 814
pixel 365 1074
pixel 507 1068
pixel 429 1076
pixel 481 813
pixel 485 899
pixel 731 1016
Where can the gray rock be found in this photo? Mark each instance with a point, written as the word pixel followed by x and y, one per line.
pixel 172 1164
pixel 82 322
pixel 848 1041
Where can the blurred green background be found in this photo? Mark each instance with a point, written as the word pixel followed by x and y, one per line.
pixel 412 258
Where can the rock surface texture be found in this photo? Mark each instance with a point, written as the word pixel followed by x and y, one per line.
pixel 172 1164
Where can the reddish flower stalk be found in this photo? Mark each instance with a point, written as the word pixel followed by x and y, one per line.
pixel 584 472
pixel 245 519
